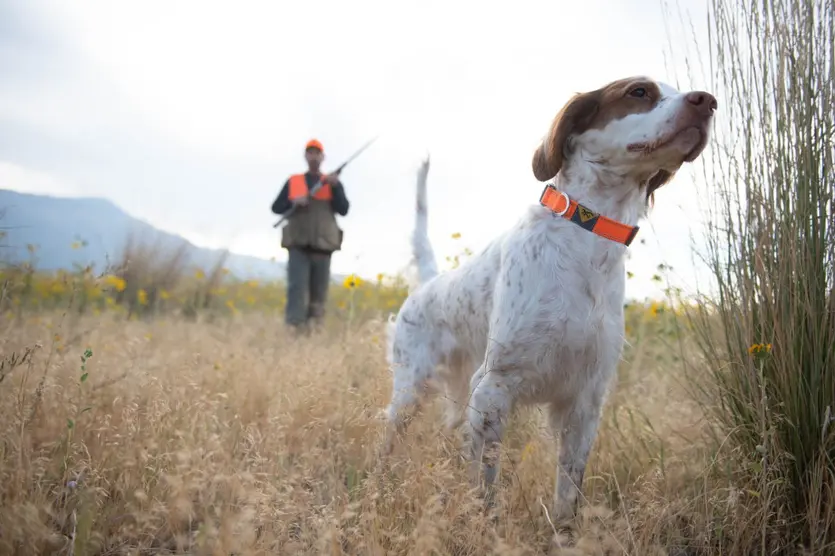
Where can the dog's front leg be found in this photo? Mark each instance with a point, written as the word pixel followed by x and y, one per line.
pixel 576 429
pixel 499 380
pixel 490 406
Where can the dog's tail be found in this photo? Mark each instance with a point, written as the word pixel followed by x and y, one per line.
pixel 423 257
pixel 422 253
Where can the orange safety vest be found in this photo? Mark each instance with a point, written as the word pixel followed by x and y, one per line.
pixel 298 188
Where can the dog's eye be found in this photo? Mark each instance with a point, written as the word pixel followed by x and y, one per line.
pixel 638 92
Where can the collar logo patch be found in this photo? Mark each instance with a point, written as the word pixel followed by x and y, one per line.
pixel 586 214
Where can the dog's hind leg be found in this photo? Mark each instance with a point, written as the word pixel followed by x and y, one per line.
pixel 412 373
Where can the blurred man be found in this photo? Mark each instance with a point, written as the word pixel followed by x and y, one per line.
pixel 310 236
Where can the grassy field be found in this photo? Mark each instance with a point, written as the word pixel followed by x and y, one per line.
pixel 219 434
pixel 155 409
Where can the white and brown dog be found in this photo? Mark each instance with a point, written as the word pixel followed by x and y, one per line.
pixel 537 317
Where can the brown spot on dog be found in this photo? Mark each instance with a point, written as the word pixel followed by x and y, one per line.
pixel 592 110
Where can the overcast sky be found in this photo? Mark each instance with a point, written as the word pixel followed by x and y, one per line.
pixel 191 115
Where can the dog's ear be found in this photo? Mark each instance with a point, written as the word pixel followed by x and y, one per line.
pixel 575 117
pixel 660 178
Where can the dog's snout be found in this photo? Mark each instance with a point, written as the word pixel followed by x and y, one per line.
pixel 704 103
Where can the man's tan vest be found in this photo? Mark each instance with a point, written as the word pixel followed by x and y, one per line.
pixel 313 226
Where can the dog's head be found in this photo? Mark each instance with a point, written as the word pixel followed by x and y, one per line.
pixel 635 127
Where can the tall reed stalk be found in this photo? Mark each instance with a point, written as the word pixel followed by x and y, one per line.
pixel 767 331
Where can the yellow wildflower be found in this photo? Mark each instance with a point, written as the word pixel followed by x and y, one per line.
pixel 456 235
pixel 758 349
pixel 115 282
pixel 142 297
pixel 352 281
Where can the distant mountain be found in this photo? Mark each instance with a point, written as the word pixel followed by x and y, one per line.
pixel 53 224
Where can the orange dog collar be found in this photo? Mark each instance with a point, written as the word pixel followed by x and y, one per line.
pixel 559 203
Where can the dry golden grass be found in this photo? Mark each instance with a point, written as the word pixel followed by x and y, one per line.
pixel 231 437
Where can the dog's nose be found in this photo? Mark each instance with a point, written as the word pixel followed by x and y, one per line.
pixel 704 103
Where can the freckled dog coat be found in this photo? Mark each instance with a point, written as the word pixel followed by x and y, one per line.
pixel 537 316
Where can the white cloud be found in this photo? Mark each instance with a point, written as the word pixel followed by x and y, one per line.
pixel 26 180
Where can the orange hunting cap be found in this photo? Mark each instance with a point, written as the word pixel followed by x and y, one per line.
pixel 314 144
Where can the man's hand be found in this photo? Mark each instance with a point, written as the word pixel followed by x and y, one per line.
pixel 331 179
